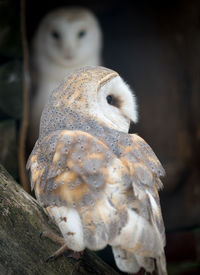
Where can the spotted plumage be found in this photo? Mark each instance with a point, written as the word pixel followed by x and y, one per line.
pixel 98 182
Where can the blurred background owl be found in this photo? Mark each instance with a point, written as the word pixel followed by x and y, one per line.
pixel 66 39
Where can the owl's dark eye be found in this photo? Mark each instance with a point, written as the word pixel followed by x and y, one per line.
pixel 109 99
pixel 81 33
pixel 114 101
pixel 55 35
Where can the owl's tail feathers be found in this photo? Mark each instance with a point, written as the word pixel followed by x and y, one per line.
pixel 161 264
pixel 131 263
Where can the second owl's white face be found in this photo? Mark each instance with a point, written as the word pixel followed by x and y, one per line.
pixel 69 39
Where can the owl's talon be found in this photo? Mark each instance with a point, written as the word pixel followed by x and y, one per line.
pixel 50 258
pixel 59 252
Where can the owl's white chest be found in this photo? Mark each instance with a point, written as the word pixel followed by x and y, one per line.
pixel 51 73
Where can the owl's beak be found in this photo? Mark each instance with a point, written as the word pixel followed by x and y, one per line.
pixel 69 53
pixel 69 56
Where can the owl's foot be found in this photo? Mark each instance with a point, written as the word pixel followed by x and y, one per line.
pixel 50 235
pixel 56 254
pixel 72 254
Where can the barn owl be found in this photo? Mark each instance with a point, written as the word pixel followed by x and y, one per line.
pixel 67 39
pixel 99 183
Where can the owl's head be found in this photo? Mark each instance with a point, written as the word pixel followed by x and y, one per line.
pixel 68 36
pixel 95 93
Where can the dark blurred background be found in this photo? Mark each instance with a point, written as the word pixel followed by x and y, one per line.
pixel 155 47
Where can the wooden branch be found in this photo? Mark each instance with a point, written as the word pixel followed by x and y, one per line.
pixel 25 119
pixel 21 249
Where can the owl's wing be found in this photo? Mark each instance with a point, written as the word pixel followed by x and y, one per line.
pixel 143 163
pixel 145 172
pixel 74 171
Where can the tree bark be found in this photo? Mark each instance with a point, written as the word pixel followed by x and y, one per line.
pixel 22 251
